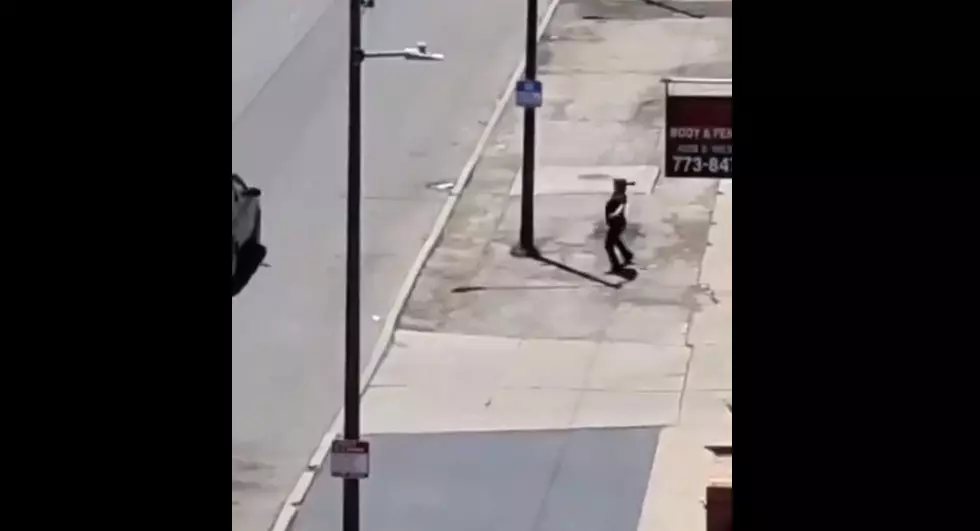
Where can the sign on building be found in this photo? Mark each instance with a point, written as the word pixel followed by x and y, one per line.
pixel 699 134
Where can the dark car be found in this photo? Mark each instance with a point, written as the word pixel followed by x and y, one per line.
pixel 247 251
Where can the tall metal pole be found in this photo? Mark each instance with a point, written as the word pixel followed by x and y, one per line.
pixel 352 310
pixel 527 170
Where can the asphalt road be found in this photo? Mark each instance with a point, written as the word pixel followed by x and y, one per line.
pixel 421 122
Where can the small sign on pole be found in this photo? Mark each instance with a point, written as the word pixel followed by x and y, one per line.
pixel 529 93
pixel 350 459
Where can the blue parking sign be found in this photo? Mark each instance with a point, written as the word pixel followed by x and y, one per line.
pixel 529 93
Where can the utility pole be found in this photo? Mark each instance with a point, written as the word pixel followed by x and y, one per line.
pixel 349 457
pixel 528 86
pixel 352 310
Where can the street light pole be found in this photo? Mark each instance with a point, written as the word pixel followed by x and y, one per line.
pixel 527 169
pixel 352 310
pixel 351 444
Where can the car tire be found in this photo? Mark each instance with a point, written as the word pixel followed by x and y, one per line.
pixel 247 256
pixel 256 236
pixel 234 266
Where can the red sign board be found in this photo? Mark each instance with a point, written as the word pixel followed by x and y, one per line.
pixel 699 137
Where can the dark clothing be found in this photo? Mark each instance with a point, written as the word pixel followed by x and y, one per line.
pixel 616 210
pixel 615 226
pixel 614 241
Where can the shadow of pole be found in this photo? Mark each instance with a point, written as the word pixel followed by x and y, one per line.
pixel 626 274
pixel 673 9
pixel 576 272
pixel 473 289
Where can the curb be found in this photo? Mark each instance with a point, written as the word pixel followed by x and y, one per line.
pixel 291 506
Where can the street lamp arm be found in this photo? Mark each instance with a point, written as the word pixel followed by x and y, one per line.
pixel 383 54
pixel 419 53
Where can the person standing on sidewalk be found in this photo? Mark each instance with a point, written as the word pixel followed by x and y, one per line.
pixel 616 225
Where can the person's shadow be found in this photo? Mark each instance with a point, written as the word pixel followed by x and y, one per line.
pixel 627 273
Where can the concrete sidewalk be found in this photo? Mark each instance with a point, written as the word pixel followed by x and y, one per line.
pixel 526 395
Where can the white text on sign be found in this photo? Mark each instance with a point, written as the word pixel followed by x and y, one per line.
pixel 705 149
pixel 701 133
pixel 696 164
